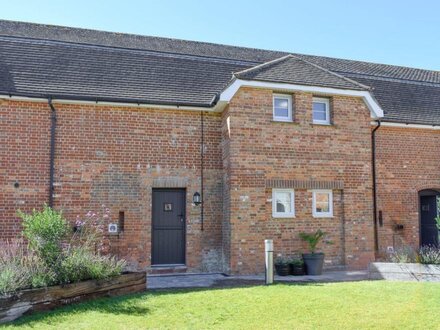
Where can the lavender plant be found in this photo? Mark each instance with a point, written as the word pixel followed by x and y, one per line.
pixel 55 255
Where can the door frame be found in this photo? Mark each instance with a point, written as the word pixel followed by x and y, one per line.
pixel 183 190
pixel 422 193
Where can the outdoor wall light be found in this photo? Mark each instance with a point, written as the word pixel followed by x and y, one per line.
pixel 197 200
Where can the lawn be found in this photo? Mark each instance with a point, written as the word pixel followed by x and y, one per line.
pixel 355 305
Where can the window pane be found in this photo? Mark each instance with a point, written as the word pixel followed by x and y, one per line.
pixel 281 103
pixel 319 115
pixel 281 112
pixel 322 207
pixel 281 106
pixel 322 202
pixel 319 106
pixel 283 202
pixel 319 111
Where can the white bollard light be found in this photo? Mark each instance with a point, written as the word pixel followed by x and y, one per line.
pixel 268 249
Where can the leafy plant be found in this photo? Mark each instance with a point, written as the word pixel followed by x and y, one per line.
pixel 282 261
pixel 313 239
pixel 45 230
pixel 54 257
pixel 21 268
pixel 429 255
pixel 296 262
pixel 404 255
pixel 437 222
pixel 82 264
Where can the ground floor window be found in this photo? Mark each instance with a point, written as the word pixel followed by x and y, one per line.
pixel 283 203
pixel 322 203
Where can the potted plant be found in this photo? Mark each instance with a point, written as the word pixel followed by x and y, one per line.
pixel 282 266
pixel 313 260
pixel 296 266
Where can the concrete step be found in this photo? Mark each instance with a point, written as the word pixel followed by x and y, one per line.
pixel 166 269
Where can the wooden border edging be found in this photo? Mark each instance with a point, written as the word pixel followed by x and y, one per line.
pixel 32 300
pixel 403 272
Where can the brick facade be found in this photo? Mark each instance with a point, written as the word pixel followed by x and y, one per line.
pixel 24 160
pixel 260 149
pixel 116 155
pixel 408 161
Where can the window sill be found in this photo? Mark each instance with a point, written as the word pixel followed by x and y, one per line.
pixel 323 125
pixel 284 122
pixel 317 216
pixel 287 216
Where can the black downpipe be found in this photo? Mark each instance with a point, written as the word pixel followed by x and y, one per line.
pixel 53 123
pixel 373 156
pixel 202 159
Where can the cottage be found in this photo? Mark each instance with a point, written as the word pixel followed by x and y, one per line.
pixel 202 151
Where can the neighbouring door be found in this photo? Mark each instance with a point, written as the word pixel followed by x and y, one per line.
pixel 428 228
pixel 168 227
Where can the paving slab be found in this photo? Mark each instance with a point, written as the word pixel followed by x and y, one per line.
pixel 216 280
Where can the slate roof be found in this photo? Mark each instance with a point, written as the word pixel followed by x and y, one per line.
pixel 294 70
pixel 59 70
pixel 45 60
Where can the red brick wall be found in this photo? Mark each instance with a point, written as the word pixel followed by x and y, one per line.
pixel 408 160
pixel 261 149
pixel 226 221
pixel 24 159
pixel 110 156
pixel 113 156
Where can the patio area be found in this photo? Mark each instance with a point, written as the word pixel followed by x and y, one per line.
pixel 218 280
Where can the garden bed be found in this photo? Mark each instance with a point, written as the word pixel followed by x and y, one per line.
pixel 404 272
pixel 32 300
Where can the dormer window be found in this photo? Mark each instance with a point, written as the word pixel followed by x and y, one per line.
pixel 321 111
pixel 282 107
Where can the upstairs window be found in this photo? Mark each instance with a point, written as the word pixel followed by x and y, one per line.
pixel 322 203
pixel 283 203
pixel 282 107
pixel 321 111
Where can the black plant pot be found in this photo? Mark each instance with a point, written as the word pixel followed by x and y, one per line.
pixel 313 263
pixel 282 270
pixel 297 270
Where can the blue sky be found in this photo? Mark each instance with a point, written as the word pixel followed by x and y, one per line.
pixel 396 32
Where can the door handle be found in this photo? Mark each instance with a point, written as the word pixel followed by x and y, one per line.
pixel 181 217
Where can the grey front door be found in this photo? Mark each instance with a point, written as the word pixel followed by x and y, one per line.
pixel 428 212
pixel 168 227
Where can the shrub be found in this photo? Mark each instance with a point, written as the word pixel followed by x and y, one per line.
pixel 296 262
pixel 53 257
pixel 20 268
pixel 81 264
pixel 45 230
pixel 404 255
pixel 12 278
pixel 429 255
pixel 280 260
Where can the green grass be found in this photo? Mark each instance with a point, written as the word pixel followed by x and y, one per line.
pixel 356 305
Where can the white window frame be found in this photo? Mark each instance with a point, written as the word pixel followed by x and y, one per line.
pixel 328 214
pixel 276 214
pixel 289 107
pixel 325 101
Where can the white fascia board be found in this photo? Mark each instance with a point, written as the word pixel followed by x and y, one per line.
pixel 23 98
pixel 401 125
pixel 375 109
pixel 114 104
